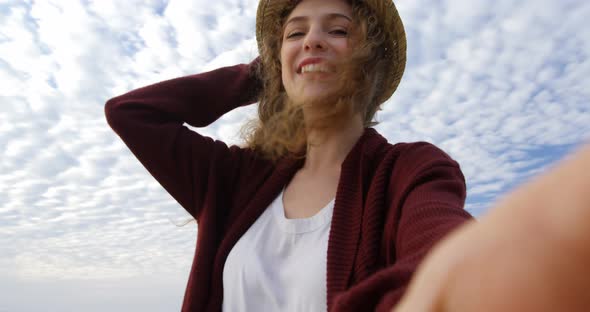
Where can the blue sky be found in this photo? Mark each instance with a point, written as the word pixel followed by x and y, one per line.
pixel 502 86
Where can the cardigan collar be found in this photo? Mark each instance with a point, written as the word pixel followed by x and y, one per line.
pixel 346 220
pixel 348 213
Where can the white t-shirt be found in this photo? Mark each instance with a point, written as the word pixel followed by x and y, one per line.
pixel 279 264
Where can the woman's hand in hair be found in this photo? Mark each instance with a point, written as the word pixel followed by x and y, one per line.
pixel 531 252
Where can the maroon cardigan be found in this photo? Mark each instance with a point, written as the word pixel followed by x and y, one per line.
pixel 393 202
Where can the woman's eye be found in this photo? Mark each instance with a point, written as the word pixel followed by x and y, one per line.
pixel 295 34
pixel 340 32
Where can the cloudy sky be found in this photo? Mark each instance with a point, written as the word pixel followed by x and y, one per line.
pixel 499 85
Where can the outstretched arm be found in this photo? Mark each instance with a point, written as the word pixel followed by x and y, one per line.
pixel 530 253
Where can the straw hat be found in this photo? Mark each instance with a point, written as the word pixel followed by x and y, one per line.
pixel 270 11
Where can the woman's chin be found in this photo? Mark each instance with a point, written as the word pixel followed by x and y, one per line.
pixel 307 99
pixel 312 95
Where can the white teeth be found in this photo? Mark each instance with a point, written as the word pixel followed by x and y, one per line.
pixel 314 68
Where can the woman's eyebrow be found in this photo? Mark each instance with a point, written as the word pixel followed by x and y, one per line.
pixel 329 16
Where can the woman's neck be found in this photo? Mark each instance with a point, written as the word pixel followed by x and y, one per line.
pixel 332 148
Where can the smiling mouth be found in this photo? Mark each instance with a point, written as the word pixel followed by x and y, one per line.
pixel 314 68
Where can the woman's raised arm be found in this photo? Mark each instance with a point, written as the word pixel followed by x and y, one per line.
pixel 150 122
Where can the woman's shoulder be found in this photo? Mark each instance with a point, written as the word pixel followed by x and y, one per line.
pixel 421 151
pixel 403 163
pixel 417 152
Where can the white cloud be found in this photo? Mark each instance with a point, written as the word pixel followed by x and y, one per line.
pixel 490 79
pixel 500 85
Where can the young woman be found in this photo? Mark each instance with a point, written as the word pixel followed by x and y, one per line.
pixel 318 211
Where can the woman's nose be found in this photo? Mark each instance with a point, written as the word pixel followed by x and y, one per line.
pixel 314 41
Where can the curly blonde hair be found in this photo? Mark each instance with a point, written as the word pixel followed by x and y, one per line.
pixel 280 129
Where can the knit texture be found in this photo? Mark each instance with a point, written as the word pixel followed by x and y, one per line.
pixel 393 202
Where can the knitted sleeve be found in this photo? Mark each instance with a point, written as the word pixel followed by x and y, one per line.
pixel 150 121
pixel 427 192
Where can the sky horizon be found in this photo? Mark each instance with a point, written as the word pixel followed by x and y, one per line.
pixel 501 86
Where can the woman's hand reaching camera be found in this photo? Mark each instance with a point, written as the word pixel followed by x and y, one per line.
pixel 530 253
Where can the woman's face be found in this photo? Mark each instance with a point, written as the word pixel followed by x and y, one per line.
pixel 315 41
